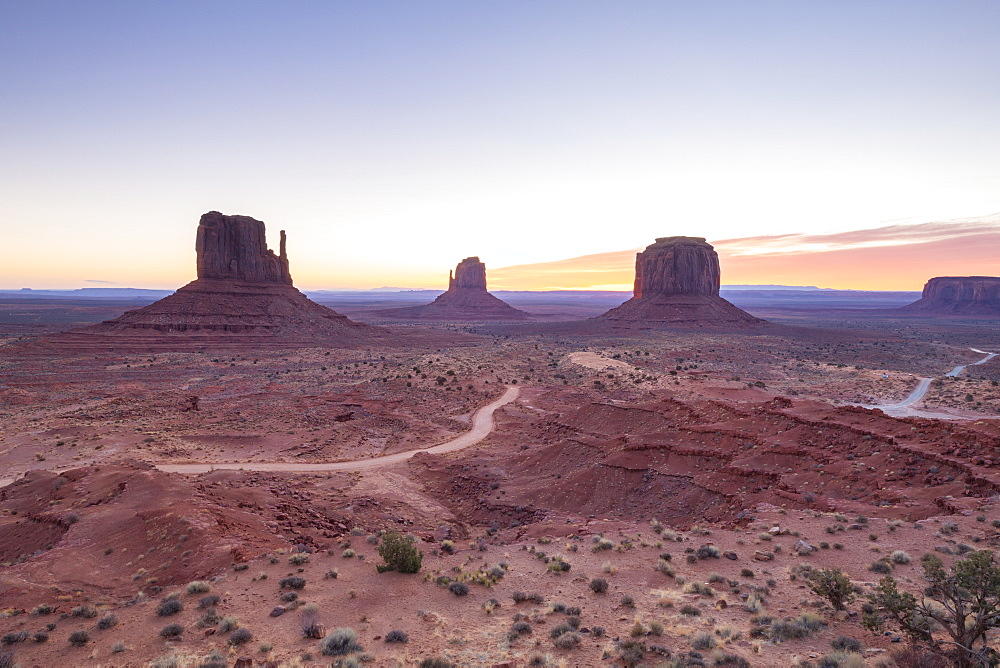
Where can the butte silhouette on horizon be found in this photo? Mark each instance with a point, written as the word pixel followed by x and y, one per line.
pixel 677 283
pixel 466 299
pixel 959 295
pixel 243 294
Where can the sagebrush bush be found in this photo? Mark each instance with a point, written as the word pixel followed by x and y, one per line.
pixel 702 640
pixel 107 621
pixel 171 631
pixel 339 642
pixel 79 638
pixel 458 588
pixel 292 582
pixel 567 640
pixel 198 587
pixel 599 585
pixel 208 601
pixel 169 606
pixel 397 636
pixel 240 637
pixel 229 623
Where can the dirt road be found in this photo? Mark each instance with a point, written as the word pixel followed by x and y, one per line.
pixel 482 425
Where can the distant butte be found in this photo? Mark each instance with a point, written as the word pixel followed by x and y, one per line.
pixel 466 300
pixel 959 295
pixel 677 283
pixel 243 295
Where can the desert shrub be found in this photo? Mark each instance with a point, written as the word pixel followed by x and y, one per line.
pixel 348 553
pixel 831 584
pixel 400 554
pixel 790 629
pixel 690 610
pixel 746 572
pixel 567 641
pixel 298 559
pixel 731 660
pixel 171 631
pixel 240 637
pixel 14 638
pixel 846 644
pixel 7 659
pixel 292 582
pixel 599 585
pixel 628 601
pixel 842 660
pixel 340 641
pixel 559 630
pixel 700 588
pixel 208 601
pixel 84 611
pixel 240 567
pixel 521 597
pixel 702 640
pixel 107 621
pixel 397 636
pixel 436 662
pixel 214 660
pixel 631 652
pixel 899 557
pixel 43 609
pixel 118 648
pixel 881 567
pixel 521 628
pixel 40 637
pixel 915 657
pixel 664 567
pixel 79 638
pixel 169 606
pixel 458 588
pixel 198 587
pixel 288 597
pixel 707 551
pixel 229 623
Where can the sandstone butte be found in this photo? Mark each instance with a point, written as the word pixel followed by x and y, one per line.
pixel 243 294
pixel 959 295
pixel 677 283
pixel 466 299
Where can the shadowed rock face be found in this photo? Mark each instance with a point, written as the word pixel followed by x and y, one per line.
pixel 235 248
pixel 677 266
pixel 677 283
pixel 470 274
pixel 964 295
pixel 466 299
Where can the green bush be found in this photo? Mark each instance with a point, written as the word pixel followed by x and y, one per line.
pixel 400 554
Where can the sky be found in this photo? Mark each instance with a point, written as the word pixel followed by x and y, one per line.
pixel 392 139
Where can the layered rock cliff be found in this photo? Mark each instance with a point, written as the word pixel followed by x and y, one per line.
pixel 235 248
pixel 677 283
pixel 959 295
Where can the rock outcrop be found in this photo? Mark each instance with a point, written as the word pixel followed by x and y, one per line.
pixel 235 248
pixel 677 283
pixel 243 296
pixel 466 300
pixel 959 295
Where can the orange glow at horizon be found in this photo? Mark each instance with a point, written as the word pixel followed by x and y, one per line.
pixel 892 258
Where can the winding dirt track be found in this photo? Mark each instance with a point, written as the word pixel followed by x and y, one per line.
pixel 482 425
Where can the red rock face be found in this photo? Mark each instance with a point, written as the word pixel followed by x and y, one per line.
pixel 470 274
pixel 677 284
pixel 967 295
pixel 677 266
pixel 235 248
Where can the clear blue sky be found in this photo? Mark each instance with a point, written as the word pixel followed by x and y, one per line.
pixel 392 139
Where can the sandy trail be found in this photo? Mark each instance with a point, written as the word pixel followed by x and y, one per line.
pixel 905 407
pixel 482 426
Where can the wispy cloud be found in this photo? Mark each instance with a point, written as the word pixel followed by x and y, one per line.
pixel 94 280
pixel 894 257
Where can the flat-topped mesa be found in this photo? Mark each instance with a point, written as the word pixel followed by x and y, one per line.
pixel 677 266
pixel 235 248
pixel 677 283
pixel 466 299
pixel 961 295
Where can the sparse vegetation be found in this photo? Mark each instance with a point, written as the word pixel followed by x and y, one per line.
pixel 339 642
pixel 399 553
